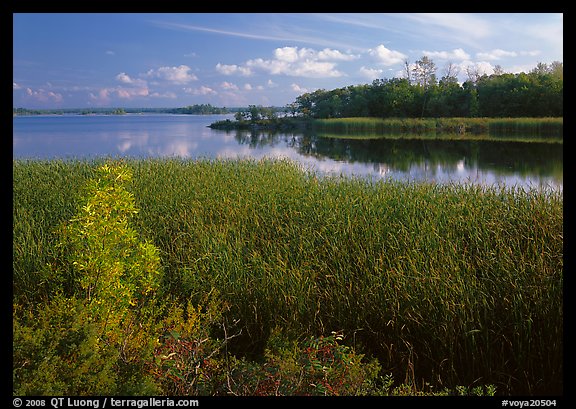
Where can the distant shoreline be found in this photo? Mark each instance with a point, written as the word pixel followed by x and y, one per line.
pixel 201 109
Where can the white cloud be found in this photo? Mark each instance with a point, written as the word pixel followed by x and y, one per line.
pixel 229 86
pixel 102 98
pixel 532 53
pixel 306 68
pixel 168 94
pixel 41 95
pixel 110 52
pixel 233 69
pixel 297 88
pixel 496 54
pixel 129 93
pixel 370 73
pixel 456 54
pixel 202 90
pixel 335 55
pixel 481 67
pixel 135 87
pixel 15 86
pixel 293 61
pixel 176 75
pixel 387 57
pixel 247 87
pixel 125 78
pixel 291 54
pixel 294 54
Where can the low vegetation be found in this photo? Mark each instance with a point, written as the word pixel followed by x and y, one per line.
pixel 258 278
pixel 541 129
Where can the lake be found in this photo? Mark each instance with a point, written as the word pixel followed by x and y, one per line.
pixel 538 165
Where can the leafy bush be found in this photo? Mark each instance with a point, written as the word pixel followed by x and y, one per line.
pixel 95 341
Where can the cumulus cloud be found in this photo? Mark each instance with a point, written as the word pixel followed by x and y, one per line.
pixel 15 86
pixel 293 61
pixel 137 88
pixel 297 88
pixel 102 97
pixel 370 73
pixel 305 68
pixel 176 75
pixel 125 78
pixel 335 55
pixel 202 90
pixel 456 54
pixel 479 68
pixel 387 57
pixel 129 93
pixel 233 69
pixel 229 86
pixel 42 95
pixel 292 54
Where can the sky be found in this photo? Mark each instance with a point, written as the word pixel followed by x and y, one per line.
pixel 237 59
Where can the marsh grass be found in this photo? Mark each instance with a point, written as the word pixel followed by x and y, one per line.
pixel 457 284
pixel 526 128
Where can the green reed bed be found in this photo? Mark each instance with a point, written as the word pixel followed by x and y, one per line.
pixel 543 127
pixel 524 127
pixel 452 284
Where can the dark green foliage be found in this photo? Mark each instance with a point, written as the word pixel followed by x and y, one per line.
pixel 535 94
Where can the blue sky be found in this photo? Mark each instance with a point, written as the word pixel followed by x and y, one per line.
pixel 172 60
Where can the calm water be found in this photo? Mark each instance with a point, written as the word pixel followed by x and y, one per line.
pixel 187 136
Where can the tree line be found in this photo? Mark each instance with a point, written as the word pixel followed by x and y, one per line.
pixel 538 93
pixel 197 109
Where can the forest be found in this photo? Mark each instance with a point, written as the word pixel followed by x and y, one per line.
pixel 538 93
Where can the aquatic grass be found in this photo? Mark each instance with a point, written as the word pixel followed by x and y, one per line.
pixel 460 284
pixel 540 128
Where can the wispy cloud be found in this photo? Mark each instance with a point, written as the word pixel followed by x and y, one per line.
pixel 498 54
pixel 191 27
pixel 266 32
pixel 453 24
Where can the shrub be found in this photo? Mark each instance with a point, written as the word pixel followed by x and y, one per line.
pixel 95 341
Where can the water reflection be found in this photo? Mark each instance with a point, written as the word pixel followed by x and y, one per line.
pixel 486 162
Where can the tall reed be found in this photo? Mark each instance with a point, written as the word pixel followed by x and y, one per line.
pixel 460 284
pixel 525 127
